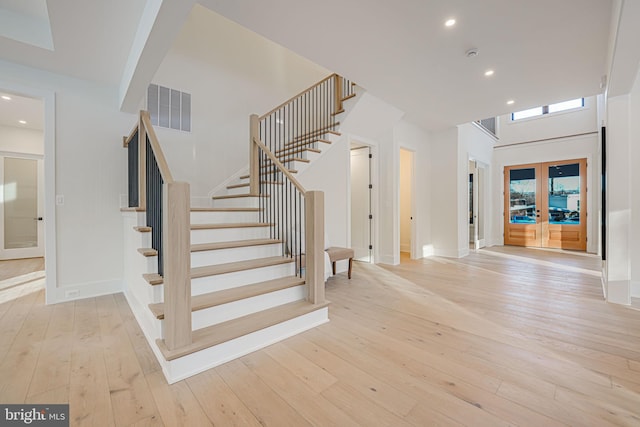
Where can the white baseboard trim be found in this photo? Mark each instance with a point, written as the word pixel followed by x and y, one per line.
pixel 86 290
pixel 388 259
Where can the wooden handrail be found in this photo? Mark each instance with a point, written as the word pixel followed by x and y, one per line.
pixel 296 96
pixel 279 165
pixel 157 150
pixel 127 139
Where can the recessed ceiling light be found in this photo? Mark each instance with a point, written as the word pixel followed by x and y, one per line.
pixel 450 22
pixel 510 102
pixel 22 122
pixel 6 98
pixel 488 73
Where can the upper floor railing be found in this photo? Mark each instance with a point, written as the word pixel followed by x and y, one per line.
pixel 277 139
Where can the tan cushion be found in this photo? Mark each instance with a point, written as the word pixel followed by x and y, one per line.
pixel 337 254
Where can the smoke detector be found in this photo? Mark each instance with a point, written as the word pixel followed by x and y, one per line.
pixel 472 52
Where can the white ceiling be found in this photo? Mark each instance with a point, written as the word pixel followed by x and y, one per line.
pixel 21 108
pixel 91 39
pixel 542 51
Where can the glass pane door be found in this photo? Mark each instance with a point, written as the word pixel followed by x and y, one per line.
pixel 20 195
pixel 522 205
pixel 566 222
pixel 564 194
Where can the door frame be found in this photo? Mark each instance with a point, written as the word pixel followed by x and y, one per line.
pixel 373 170
pixel 412 233
pixel 542 203
pixel 50 254
pixel 479 203
pixel 32 252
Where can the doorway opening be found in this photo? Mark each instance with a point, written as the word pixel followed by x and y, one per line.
pixel 361 203
pixel 477 173
pixel 546 205
pixel 27 186
pixel 406 202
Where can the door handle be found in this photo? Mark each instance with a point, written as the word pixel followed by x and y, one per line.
pixel 38 218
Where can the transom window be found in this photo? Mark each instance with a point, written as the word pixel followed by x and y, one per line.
pixel 548 109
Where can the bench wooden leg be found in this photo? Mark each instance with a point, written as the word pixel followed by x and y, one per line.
pixel 333 267
pixel 350 266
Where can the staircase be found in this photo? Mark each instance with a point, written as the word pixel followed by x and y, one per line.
pixel 252 267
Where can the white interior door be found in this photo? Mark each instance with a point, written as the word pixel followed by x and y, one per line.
pixel 361 204
pixel 21 208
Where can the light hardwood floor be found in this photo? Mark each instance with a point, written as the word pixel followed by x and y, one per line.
pixel 18 267
pixel 497 338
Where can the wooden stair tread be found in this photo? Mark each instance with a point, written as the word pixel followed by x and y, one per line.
pixel 226 209
pixel 142 229
pixel 229 225
pixel 231 267
pixel 272 166
pixel 353 95
pixel 294 159
pixel 237 196
pixel 293 144
pixel 320 131
pixel 153 278
pixel 225 296
pixel 232 244
pixel 227 331
pixel 297 149
pixel 148 252
pixel 230 187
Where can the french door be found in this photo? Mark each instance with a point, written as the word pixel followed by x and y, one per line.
pixel 546 205
pixel 22 194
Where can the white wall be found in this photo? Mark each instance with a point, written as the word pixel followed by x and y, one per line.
pixel 567 123
pixel 619 200
pixel 21 140
pixel 90 166
pixel 634 171
pixel 473 144
pixel 231 73
pixel 445 200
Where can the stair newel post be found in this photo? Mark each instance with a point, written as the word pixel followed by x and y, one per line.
pixel 338 95
pixel 177 264
pixel 254 153
pixel 142 163
pixel 314 245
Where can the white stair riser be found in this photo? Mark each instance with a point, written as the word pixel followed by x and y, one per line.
pixel 228 234
pixel 223 256
pixel 218 282
pixel 237 202
pixel 146 264
pixel 239 190
pixel 211 357
pixel 221 217
pixel 222 313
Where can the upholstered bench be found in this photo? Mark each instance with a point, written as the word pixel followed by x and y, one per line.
pixel 338 254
